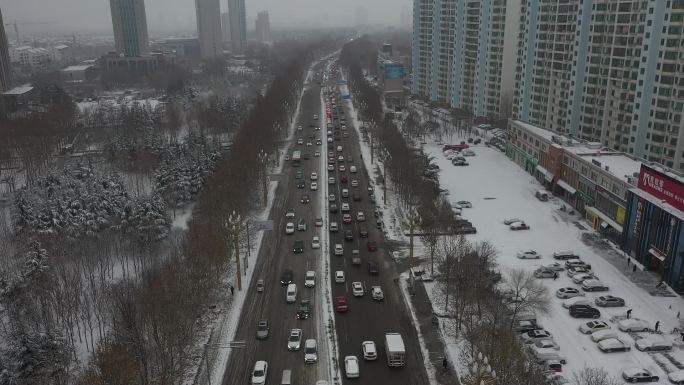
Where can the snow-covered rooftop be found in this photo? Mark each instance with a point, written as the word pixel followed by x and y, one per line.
pixel 20 90
pixel 81 67
pixel 620 165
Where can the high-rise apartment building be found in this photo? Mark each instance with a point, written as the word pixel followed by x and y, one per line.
pixel 225 27
pixel 238 24
pixel 5 66
pixel 464 53
pixel 130 27
pixel 209 28
pixel 607 71
pixel 263 27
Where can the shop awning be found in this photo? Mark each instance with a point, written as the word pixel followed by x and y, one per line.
pixel 604 218
pixel 566 187
pixel 548 176
pixel 657 254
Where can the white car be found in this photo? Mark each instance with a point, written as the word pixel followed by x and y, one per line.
pixel 351 367
pixel 259 373
pixel 357 289
pixel 639 375
pixel 354 183
pixel 613 345
pixel 676 377
pixel 289 228
pixel 345 207
pixel 314 176
pixel 317 154
pixel 653 342
pixel 593 326
pixel 339 250
pixel 604 334
pixel 339 276
pixel 593 285
pixel 568 292
pixel 465 204
pixel 528 254
pixel 360 216
pixel 334 227
pixel 331 180
pixel 331 167
pixel 294 341
pixel 309 144
pixel 316 243
pixel 377 294
pixel 581 277
pixel 300 141
pixel 370 353
pixel 535 335
pixel 310 351
pixel 310 279
pixel 633 325
pixel 314 186
pixel 512 220
pixel 545 344
pixel 555 266
pixel 576 301
pixel 352 169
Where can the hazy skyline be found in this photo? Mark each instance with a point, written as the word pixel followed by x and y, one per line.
pixel 45 15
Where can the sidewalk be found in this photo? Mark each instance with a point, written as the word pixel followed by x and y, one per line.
pixel 432 335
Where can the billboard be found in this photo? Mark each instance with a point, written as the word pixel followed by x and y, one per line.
pixel 394 71
pixel 662 187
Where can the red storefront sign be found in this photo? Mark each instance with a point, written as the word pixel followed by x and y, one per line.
pixel 662 187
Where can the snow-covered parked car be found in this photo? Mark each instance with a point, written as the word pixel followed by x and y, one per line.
pixel 611 345
pixel 652 343
pixel 604 334
pixel 544 344
pixel 516 226
pixel 594 285
pixel 576 301
pixel 581 277
pixel 593 326
pixel 555 266
pixel 568 292
pixel 609 301
pixel 633 325
pixel 528 254
pixel 676 377
pixel 511 221
pixel 535 335
pixel 639 375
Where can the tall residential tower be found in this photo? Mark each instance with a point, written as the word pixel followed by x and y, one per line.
pixel 5 68
pixel 263 27
pixel 238 24
pixel 130 27
pixel 209 28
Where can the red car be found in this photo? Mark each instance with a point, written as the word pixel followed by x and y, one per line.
pixel 519 226
pixel 346 218
pixel 344 179
pixel 341 304
pixel 372 246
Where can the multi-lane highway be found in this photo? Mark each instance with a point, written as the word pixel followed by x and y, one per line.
pixel 367 319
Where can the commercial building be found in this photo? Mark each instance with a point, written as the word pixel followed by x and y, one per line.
pixel 5 66
pixel 81 73
pixel 130 27
pixel 225 27
pixel 465 54
pixel 592 179
pixel 209 28
pixel 128 67
pixel 605 71
pixel 238 24
pixel 391 70
pixel 185 48
pixel 263 27
pixel 654 232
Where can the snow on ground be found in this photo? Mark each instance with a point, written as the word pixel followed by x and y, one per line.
pixel 499 189
pixel 229 319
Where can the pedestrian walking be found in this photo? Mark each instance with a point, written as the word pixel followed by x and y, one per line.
pixel 634 269
pixel 445 363
pixel 657 325
pixel 232 290
pixel 555 275
pixel 628 261
pixel 629 313
pixel 678 314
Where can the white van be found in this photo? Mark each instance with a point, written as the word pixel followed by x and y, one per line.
pixel 339 148
pixel 291 296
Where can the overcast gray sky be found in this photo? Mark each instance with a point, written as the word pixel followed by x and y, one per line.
pixel 164 14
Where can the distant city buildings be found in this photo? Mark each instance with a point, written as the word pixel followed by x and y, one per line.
pixel 130 27
pixel 238 24
pixel 5 66
pixel 30 58
pixel 263 27
pixel 209 28
pixel 225 27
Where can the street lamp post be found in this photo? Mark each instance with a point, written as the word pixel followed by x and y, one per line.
pixel 263 158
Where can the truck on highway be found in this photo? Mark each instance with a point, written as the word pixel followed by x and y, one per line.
pixel 394 349
pixel 296 158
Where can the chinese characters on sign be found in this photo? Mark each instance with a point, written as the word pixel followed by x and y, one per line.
pixel 662 187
